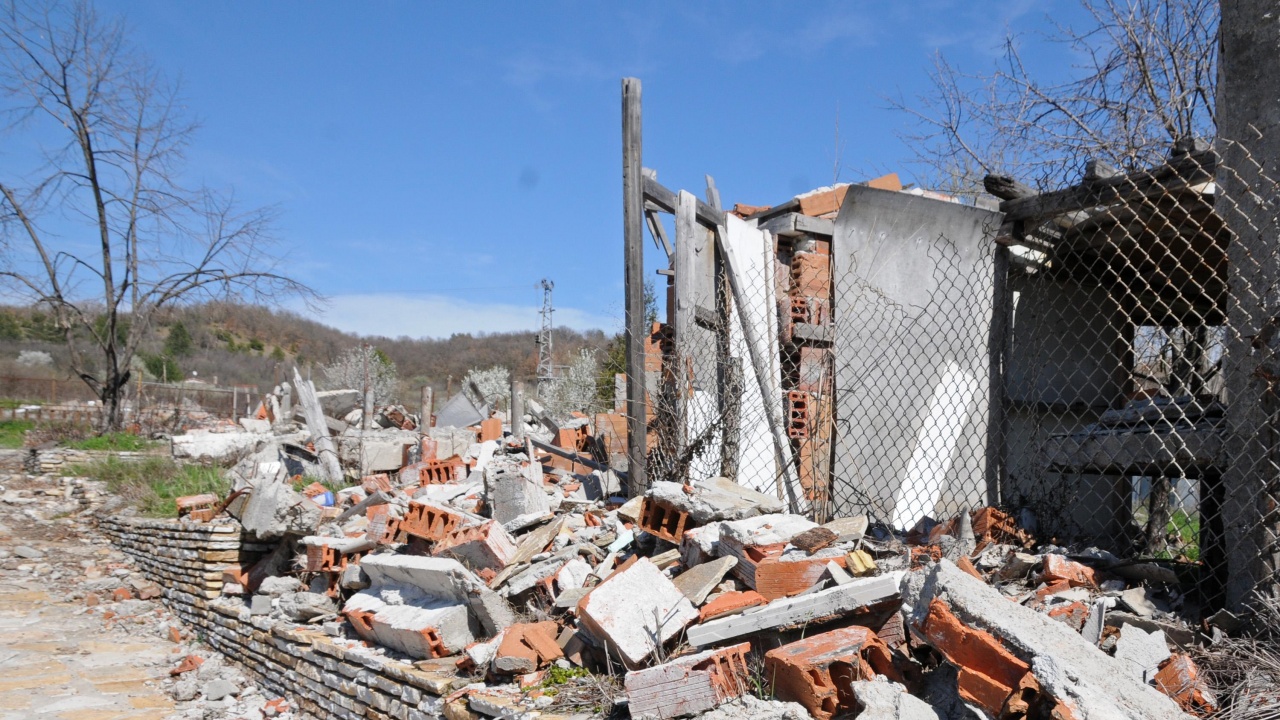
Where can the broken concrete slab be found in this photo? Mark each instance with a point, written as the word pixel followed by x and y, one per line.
pixel 882 700
pixel 690 685
pixel 1066 666
pixel 439 578
pixel 219 448
pixel 698 581
pixel 459 412
pixel 1141 652
pixel 634 611
pixel 848 528
pixel 794 610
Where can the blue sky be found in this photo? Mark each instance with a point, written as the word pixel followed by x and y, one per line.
pixel 432 161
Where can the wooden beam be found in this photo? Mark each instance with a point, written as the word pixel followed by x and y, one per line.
pixel 1179 174
pixel 1006 188
pixel 713 194
pixel 634 188
pixel 665 200
pixel 793 224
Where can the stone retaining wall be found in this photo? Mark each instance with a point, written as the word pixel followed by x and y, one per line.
pixel 327 677
pixel 51 461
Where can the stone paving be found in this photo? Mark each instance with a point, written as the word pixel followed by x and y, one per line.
pixel 68 647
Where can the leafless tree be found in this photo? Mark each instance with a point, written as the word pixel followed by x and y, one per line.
pixel 99 229
pixel 1146 76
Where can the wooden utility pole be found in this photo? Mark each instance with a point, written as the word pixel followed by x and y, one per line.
pixel 428 407
pixel 633 242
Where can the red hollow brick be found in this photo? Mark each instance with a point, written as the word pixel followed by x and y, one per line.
pixel 990 676
pixel 817 672
pixel 490 429
pixel 688 685
pixel 1179 678
pixel 1057 567
pixel 430 521
pixel 661 518
pixel 375 483
pixel 730 603
pixel 525 647
pixel 798 414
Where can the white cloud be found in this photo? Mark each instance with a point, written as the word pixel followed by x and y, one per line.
pixel 417 316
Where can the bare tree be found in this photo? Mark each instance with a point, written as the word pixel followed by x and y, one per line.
pixel 99 229
pixel 1146 77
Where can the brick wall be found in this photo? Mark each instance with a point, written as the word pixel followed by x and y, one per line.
pixel 326 677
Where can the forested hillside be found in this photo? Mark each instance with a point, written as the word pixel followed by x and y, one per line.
pixel 251 345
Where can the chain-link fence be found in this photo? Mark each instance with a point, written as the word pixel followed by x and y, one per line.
pixel 1099 361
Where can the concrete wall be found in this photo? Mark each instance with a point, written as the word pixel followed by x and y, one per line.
pixel 913 287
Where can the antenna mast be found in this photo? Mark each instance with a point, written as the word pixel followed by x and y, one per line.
pixel 546 371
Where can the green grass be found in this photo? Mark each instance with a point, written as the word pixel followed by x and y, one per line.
pixel 114 441
pixel 12 433
pixel 152 484
pixel 1186 528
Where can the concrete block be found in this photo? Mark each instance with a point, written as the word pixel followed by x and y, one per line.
pixel 815 671
pixel 1067 667
pixel 802 608
pixel 443 578
pixel 635 610
pixel 512 494
pixel 418 625
pixel 689 685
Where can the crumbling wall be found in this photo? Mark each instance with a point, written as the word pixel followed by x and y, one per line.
pixel 325 678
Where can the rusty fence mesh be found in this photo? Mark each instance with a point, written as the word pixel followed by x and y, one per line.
pixel 1099 361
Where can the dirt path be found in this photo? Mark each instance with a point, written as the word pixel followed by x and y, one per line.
pixel 71 645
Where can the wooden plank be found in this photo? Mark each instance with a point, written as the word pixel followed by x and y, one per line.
pixel 665 200
pixel 634 189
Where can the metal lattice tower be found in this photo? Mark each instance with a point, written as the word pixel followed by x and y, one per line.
pixel 546 371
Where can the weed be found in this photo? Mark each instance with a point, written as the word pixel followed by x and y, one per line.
pixel 113 441
pixel 152 484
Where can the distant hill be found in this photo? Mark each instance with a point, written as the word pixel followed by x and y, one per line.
pixel 252 345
